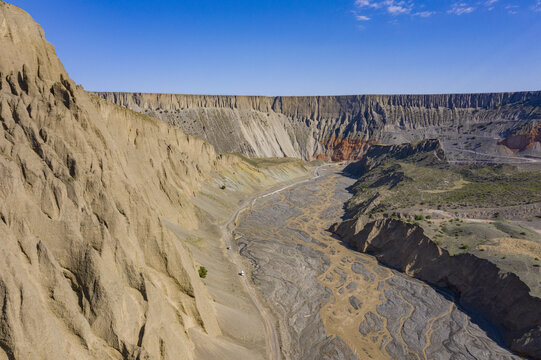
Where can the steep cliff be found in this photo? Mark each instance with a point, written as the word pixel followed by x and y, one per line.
pixel 397 184
pixel 480 285
pixel 333 127
pixel 425 150
pixel 89 193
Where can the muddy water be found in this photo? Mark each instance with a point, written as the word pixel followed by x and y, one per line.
pixel 331 302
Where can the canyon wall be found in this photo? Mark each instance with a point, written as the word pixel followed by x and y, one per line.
pixel 478 284
pixel 332 127
pixel 94 199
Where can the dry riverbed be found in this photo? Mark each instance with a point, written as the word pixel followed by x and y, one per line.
pixel 331 302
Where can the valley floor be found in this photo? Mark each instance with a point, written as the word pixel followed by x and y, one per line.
pixel 331 302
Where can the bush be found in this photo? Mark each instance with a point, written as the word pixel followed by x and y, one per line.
pixel 222 187
pixel 419 217
pixel 202 272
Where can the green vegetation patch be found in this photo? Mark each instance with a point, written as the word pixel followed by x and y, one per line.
pixel 402 184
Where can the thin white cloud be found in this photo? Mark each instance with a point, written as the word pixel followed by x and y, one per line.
pixel 537 6
pixel 367 3
pixel 490 4
pixel 398 9
pixel 461 8
pixel 424 14
pixel 362 18
pixel 366 10
pixel 393 7
pixel 512 9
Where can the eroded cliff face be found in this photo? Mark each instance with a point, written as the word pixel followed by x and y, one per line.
pixel 332 127
pixel 89 192
pixel 522 141
pixel 425 150
pixel 500 297
pixel 480 284
pixel 84 254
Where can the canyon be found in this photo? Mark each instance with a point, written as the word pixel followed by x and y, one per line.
pixel 340 127
pixel 163 226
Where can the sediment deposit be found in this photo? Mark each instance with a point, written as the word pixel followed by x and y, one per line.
pixel 333 302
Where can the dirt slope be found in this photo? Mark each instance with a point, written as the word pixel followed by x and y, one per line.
pixel 89 194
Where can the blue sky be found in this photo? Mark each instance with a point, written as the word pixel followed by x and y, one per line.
pixel 296 47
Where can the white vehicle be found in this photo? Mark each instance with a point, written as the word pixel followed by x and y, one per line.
pixel 241 273
pixel 229 248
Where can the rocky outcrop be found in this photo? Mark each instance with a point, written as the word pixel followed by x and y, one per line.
pixel 503 298
pixel 425 150
pixel 343 149
pixel 331 127
pixel 479 285
pixel 523 141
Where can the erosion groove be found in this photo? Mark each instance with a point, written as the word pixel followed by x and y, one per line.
pixel 98 205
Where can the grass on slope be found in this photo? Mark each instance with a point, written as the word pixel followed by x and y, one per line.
pixel 402 184
pixel 482 210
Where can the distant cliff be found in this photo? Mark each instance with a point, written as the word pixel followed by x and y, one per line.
pixel 332 127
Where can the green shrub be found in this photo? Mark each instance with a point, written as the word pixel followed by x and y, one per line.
pixel 222 187
pixel 419 217
pixel 202 272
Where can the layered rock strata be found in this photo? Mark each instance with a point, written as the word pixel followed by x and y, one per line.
pixel 334 127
